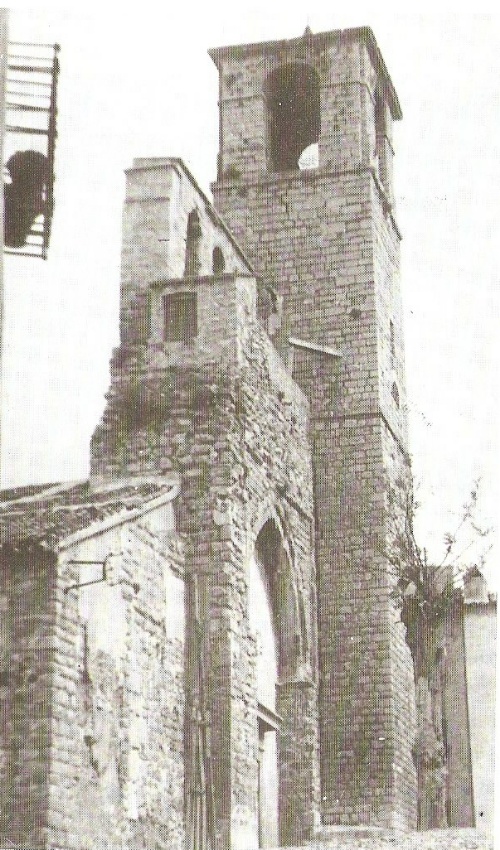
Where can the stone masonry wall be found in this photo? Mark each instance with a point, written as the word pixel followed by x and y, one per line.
pixel 327 239
pixel 261 470
pixel 160 195
pixel 274 458
pixel 117 692
pixel 331 296
pixel 27 577
pixel 235 430
pixel 366 694
pixel 397 488
pixel 349 73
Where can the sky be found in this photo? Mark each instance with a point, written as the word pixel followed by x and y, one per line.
pixel 141 84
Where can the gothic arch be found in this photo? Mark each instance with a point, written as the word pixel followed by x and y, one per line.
pixel 271 545
pixel 283 686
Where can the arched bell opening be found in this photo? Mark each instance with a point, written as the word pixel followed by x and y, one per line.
pixel 294 117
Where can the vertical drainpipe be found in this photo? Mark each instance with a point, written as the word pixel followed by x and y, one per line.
pixel 3 74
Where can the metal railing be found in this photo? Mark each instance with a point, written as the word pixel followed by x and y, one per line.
pixel 31 128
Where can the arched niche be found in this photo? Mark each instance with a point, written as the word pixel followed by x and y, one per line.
pixel 193 239
pixel 292 94
pixel 218 261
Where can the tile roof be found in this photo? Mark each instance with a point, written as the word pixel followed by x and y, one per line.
pixel 48 514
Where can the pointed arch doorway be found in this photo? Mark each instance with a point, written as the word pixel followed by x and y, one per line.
pixel 273 620
pixel 262 625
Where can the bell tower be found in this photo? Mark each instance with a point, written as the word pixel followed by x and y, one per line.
pixel 305 184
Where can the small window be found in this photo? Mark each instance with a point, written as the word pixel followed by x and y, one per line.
pixel 180 317
pixel 218 261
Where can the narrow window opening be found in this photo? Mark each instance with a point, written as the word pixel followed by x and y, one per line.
pixel 179 310
pixel 145 316
pixel 395 394
pixel 218 261
pixel 294 117
pixel 193 237
pixel 392 342
pixel 380 137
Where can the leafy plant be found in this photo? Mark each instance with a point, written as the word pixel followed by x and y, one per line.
pixel 426 593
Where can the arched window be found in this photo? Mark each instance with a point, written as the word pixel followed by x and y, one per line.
pixel 218 261
pixel 294 119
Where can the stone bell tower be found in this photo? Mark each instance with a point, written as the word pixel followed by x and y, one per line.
pixel 305 185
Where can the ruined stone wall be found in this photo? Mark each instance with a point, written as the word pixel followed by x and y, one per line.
pixel 274 457
pixel 219 410
pixel 234 427
pixel 261 470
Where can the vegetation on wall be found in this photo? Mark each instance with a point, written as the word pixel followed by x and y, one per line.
pixel 425 593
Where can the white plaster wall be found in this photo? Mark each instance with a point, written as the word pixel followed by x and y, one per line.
pixel 480 630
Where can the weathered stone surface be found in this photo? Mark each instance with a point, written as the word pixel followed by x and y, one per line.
pixel 256 412
pixel 234 427
pixel 328 240
pixel 433 839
